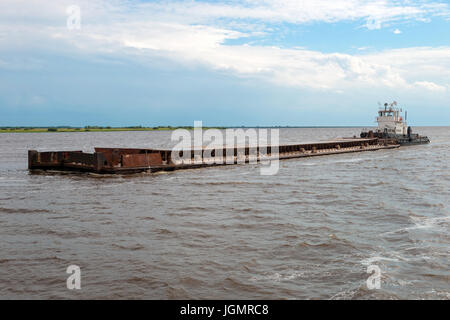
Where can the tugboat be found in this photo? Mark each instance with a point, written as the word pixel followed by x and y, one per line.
pixel 391 126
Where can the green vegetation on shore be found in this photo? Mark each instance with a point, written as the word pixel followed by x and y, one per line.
pixel 90 129
pixel 140 128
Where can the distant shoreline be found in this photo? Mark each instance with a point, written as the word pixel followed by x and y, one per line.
pixel 139 128
pixel 23 129
pixel 88 129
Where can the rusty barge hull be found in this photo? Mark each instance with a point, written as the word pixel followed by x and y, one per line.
pixel 126 160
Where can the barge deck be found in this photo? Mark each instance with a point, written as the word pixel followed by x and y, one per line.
pixel 126 160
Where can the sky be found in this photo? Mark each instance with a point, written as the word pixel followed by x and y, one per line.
pixel 226 63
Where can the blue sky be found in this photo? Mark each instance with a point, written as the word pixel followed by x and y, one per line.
pixel 255 62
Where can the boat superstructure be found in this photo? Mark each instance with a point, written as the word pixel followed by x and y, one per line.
pixel 392 125
pixel 391 121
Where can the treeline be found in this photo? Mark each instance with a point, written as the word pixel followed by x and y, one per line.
pixel 93 128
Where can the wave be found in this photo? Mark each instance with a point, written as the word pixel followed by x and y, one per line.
pixel 129 247
pixel 23 211
pixel 278 277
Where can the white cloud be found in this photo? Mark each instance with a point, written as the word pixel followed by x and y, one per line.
pixel 430 86
pixel 397 31
pixel 204 45
pixel 303 11
pixel 191 33
pixel 292 11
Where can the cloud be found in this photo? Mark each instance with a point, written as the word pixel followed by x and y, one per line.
pixel 303 11
pixel 430 86
pixel 397 31
pixel 276 11
pixel 196 33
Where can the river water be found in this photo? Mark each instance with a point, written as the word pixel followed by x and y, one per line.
pixel 308 232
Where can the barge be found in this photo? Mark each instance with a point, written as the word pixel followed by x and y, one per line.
pixel 392 132
pixel 125 160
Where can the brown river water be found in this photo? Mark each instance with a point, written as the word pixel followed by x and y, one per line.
pixel 308 232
